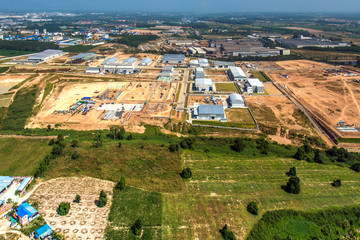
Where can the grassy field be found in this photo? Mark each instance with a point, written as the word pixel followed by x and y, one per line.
pixel 78 49
pixel 225 124
pixel 21 157
pixel 258 75
pixel 5 100
pixel 239 115
pixel 12 53
pixel 3 69
pixel 348 140
pixel 225 87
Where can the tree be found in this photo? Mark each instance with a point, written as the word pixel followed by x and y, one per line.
pixel 129 137
pixel 119 145
pixel 187 143
pixel 63 208
pixel 60 138
pixel 74 143
pixel 117 132
pixel 102 199
pixel 57 150
pixel 239 145
pixel 291 172
pixel 186 173
pixel 48 128
pixel 227 234
pixel 320 157
pixel 174 147
pixel 77 198
pixel 253 208
pixel 75 155
pixel 300 154
pixel 293 185
pixel 356 167
pixel 263 146
pixel 121 184
pixel 136 228
pixel 336 183
pixel 52 142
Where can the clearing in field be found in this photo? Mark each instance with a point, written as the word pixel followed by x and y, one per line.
pixel 239 115
pixel 226 87
pixel 85 220
pixel 302 65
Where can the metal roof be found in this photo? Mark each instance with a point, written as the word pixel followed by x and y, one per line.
pixel 237 72
pixel 93 69
pixel 23 184
pixel 145 60
pixel 43 231
pixel 224 63
pixel 26 209
pixel 129 60
pixel 84 56
pixel 45 54
pixel 255 82
pixel 174 57
pixel 203 81
pixel 211 110
pixel 110 60
pixel 235 97
pixel 203 60
pixel 167 69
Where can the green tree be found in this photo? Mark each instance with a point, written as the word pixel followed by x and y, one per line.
pixel 174 147
pixel 291 172
pixel 75 155
pixel 136 228
pixel 74 143
pixel 227 234
pixel 186 173
pixel 57 150
pixel 48 128
pixel 253 208
pixel 63 208
pixel 336 183
pixel 356 167
pixel 77 198
pixel 187 143
pixel 117 132
pixel 121 184
pixel 129 137
pixel 263 146
pixel 300 154
pixel 102 199
pixel 293 185
pixel 239 145
pixel 119 145
pixel 60 138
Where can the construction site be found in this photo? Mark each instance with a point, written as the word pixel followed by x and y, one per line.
pixel 90 105
pixel 329 94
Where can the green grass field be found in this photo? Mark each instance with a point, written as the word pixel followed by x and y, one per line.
pixel 78 49
pixel 12 53
pixel 21 157
pixel 4 69
pixel 225 87
pixel 258 75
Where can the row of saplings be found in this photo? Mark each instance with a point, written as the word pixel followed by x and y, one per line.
pixel 64 207
pixel 292 186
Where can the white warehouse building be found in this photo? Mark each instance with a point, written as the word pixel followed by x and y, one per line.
pixel 237 74
pixel 203 84
pixel 236 101
pixel 45 55
pixel 254 85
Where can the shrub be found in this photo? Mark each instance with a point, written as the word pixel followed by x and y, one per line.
pixel 117 132
pixel 227 234
pixel 293 185
pixel 174 147
pixel 130 137
pixel 77 198
pixel 57 150
pixel 75 155
pixel 186 173
pixel 74 143
pixel 121 184
pixel 137 227
pixel 64 208
pixel 253 208
pixel 52 142
pixel 119 145
pixel 291 172
pixel 336 183
pixel 356 167
pixel 102 199
pixel 239 145
pixel 187 143
pixel 300 154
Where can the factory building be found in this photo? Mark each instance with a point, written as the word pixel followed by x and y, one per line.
pixel 110 60
pixel 236 101
pixel 145 62
pixel 302 42
pixel 254 85
pixel 173 58
pixel 93 70
pixel 236 74
pixel 177 42
pixel 210 112
pixel 199 63
pixel 45 55
pixel 199 73
pixel 129 61
pixel 82 57
pixel 203 85
pixel 219 64
pixel 167 71
pixel 125 67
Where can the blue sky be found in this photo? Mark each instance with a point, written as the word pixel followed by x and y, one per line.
pixel 197 6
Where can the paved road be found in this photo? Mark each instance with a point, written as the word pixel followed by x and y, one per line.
pixel 182 96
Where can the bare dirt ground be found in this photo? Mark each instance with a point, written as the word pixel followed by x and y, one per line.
pixel 85 220
pixel 215 72
pixel 219 78
pixel 311 31
pixel 331 98
pixel 13 77
pixel 201 100
pixel 271 89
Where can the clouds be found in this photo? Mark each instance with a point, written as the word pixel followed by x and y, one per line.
pixel 197 6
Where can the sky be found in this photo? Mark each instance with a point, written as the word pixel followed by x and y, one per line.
pixel 196 6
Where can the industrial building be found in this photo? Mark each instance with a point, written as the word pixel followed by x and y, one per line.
pixel 93 70
pixel 173 59
pixel 82 57
pixel 199 73
pixel 21 190
pixel 5 182
pixel 110 60
pixel 309 42
pixel 236 101
pixel 180 42
pixel 167 71
pixel 125 67
pixel 45 55
pixel 25 213
pixel 199 63
pixel 210 112
pixel 145 62
pixel 203 85
pixel 196 51
pixel 219 64
pixel 254 85
pixel 129 61
pixel 43 232
pixel 236 74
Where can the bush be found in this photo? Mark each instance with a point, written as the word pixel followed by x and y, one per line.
pixel 121 184
pixel 187 143
pixel 119 145
pixel 174 147
pixel 102 199
pixel 117 132
pixel 52 142
pixel 293 185
pixel 130 137
pixel 227 234
pixel 77 198
pixel 63 209
pixel 137 227
pixel 291 172
pixel 57 150
pixel 300 154
pixel 356 167
pixel 336 183
pixel 239 145
pixel 74 143
pixel 186 173
pixel 253 208
pixel 75 155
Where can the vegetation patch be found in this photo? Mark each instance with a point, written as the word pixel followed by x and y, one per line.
pixel 225 87
pixel 78 48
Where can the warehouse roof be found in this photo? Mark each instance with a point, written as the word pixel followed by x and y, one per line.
pixel 46 54
pixel 203 81
pixel 167 69
pixel 25 209
pixel 237 72
pixel 5 181
pixel 224 63
pixel 110 60
pixel 23 184
pixel 129 60
pixel 84 56
pixel 236 97
pixel 145 60
pixel 211 109
pixel 255 82
pixel 174 57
